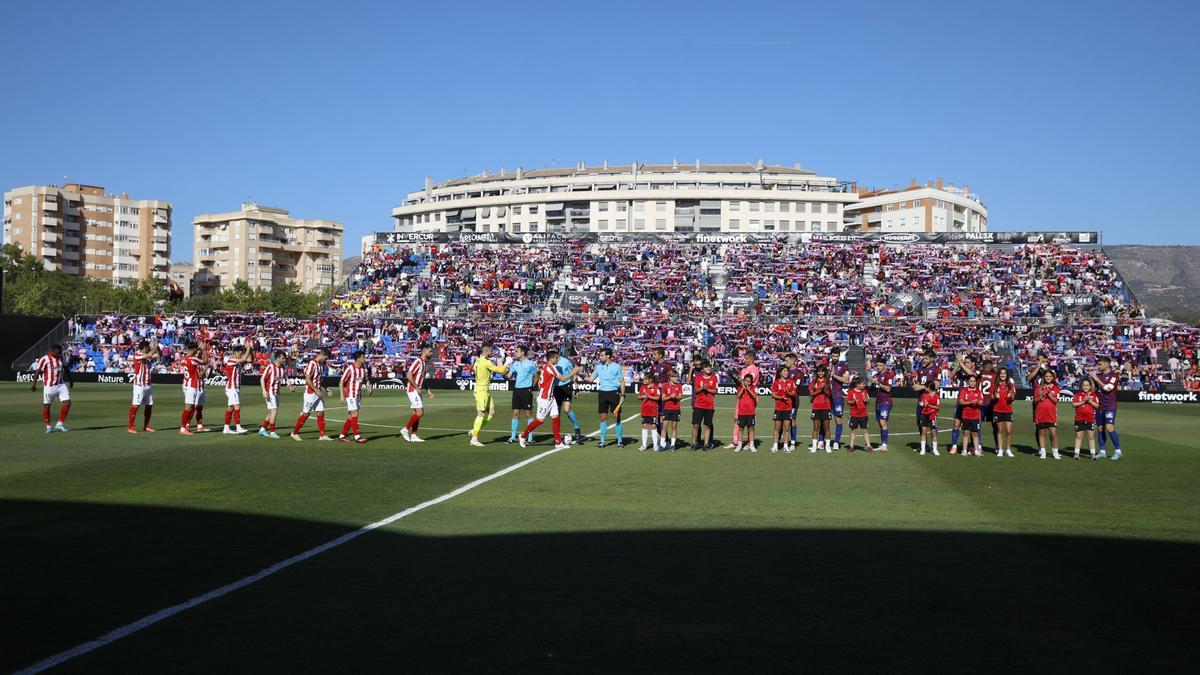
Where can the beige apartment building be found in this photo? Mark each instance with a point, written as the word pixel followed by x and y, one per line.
pixel 83 230
pixel 933 207
pixel 266 247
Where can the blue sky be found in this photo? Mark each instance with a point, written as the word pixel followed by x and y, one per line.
pixel 1060 115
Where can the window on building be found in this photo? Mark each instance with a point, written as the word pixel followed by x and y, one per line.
pixel 660 223
pixel 785 207
pixel 639 207
pixel 785 225
pixel 831 227
pixel 831 208
pixel 639 223
pixel 516 210
pixel 769 207
pixel 602 206
pixel 735 206
pixel 660 206
pixel 769 225
pixel 735 224
pixel 603 224
pixel 754 206
pixel 622 207
pixel 533 208
pixel 621 223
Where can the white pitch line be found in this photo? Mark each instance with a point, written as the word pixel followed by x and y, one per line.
pixel 163 614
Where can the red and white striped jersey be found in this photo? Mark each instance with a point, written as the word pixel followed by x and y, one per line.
pixel 313 372
pixel 233 373
pixel 416 374
pixel 272 375
pixel 548 380
pixel 352 380
pixel 192 373
pixel 50 370
pixel 142 364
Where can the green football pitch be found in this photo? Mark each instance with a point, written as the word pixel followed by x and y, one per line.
pixel 585 559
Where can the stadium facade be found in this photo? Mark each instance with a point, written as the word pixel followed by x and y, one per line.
pixel 685 198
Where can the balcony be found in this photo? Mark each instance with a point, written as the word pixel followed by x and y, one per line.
pixel 161 247
pixel 49 251
pixel 159 275
pixel 49 204
pixel 125 260
pixel 49 237
pixel 206 253
pixel 125 274
pixel 160 219
pixel 70 240
pixel 70 269
pixel 50 221
pixel 160 261
pixel 70 255
pixel 71 225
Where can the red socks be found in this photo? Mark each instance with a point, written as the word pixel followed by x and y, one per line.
pixel 46 415
pixel 237 416
pixel 200 415
pixel 413 422
pixel 533 424
pixel 146 417
pixel 321 424
pixel 347 425
pixel 300 423
pixel 228 417
pixel 554 427
pixel 186 419
pixel 356 431
pixel 132 415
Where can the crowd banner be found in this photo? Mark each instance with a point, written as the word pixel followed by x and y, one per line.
pixel 575 300
pixel 911 304
pixel 251 382
pixel 734 238
pixel 736 301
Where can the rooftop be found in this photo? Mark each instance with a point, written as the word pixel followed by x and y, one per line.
pixel 582 170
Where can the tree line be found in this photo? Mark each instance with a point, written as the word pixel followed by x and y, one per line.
pixel 33 290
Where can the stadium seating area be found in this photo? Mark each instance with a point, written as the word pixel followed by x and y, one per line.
pixel 1006 303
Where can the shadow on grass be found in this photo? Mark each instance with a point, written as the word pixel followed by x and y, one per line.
pixel 607 601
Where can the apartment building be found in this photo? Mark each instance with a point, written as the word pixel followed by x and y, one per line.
pixel 933 207
pixel 86 231
pixel 265 247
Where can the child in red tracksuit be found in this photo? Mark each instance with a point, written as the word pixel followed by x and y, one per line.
pixel 747 411
pixel 931 403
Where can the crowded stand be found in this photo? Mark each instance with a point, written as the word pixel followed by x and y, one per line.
pixel 1001 303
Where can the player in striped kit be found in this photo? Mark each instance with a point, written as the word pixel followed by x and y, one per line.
pixel 548 377
pixel 194 371
pixel 314 396
pixel 354 379
pixel 417 369
pixel 56 383
pixel 272 377
pixel 232 367
pixel 143 395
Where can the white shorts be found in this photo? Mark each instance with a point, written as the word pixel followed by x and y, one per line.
pixel 58 391
pixel 546 407
pixel 272 402
pixel 313 403
pixel 414 400
pixel 143 394
pixel 193 396
pixel 234 396
pixel 352 405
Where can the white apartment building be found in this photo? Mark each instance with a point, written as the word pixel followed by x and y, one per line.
pixel 933 207
pixel 86 231
pixel 265 247
pixel 633 198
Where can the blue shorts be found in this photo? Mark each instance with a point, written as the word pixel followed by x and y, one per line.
pixel 882 413
pixel 919 411
pixel 839 406
pixel 1107 416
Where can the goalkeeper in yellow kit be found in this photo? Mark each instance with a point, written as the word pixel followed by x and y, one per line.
pixel 485 407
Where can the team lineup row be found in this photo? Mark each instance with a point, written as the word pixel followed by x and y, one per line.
pixel 986 394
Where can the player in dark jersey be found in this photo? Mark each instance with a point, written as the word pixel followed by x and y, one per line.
pixel 987 383
pixel 964 368
pixel 659 368
pixel 882 381
pixel 840 378
pixel 796 374
pixel 1107 381
pixel 925 378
